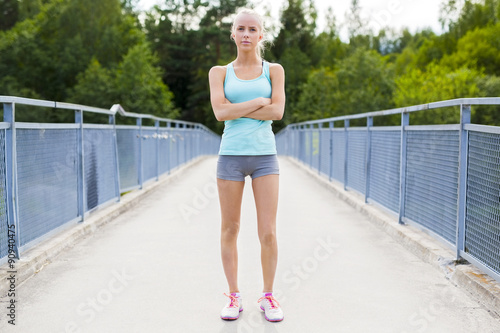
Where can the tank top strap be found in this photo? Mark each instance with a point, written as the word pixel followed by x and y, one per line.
pixel 265 70
pixel 229 72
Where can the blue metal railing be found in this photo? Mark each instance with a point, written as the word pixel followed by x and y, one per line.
pixel 444 179
pixel 53 175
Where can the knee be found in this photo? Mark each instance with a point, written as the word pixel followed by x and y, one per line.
pixel 267 238
pixel 231 231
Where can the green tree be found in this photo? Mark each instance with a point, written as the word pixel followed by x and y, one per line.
pixel 360 83
pixel 436 83
pixel 489 86
pixel 297 66
pixel 136 84
pixel 294 48
pixel 139 85
pixel 319 96
pixel 298 22
pixel 478 49
pixel 365 83
pixel 9 12
pixel 55 53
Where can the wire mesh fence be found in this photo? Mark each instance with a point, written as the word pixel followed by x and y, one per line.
pixel 482 225
pixel 416 172
pixel 52 175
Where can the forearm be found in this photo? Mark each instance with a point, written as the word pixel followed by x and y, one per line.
pixel 230 111
pixel 268 112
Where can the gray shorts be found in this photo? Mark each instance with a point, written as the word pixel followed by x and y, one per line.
pixel 237 167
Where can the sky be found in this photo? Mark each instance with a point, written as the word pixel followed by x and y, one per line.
pixel 413 14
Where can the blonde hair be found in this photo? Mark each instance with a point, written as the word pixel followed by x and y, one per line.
pixel 261 45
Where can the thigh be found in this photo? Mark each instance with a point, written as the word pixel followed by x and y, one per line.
pixel 265 190
pixel 230 197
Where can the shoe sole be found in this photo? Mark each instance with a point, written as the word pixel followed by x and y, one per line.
pixel 232 318
pixel 272 320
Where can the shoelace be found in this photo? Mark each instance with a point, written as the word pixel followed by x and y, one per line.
pixel 234 301
pixel 271 300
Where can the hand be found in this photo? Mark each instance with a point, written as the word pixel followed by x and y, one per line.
pixel 264 101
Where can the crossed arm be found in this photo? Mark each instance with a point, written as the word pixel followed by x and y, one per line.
pixel 260 108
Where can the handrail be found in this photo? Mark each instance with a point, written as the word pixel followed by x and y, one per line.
pixel 409 109
pixel 116 108
pixel 52 104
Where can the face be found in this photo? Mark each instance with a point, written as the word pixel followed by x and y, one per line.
pixel 247 32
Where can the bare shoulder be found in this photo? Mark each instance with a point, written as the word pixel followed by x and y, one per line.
pixel 217 71
pixel 275 68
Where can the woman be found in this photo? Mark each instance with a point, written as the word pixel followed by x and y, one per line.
pixel 248 94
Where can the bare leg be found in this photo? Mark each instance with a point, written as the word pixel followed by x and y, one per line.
pixel 265 190
pixel 230 196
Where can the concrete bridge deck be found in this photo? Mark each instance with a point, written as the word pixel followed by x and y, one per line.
pixel 156 268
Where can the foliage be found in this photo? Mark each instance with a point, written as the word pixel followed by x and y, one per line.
pixel 9 12
pixel 136 84
pixel 437 83
pixel 360 83
pixel 46 54
pixel 319 96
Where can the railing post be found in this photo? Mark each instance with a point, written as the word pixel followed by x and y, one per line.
pixel 195 140
pixel 346 153
pixel 369 125
pixel 465 118
pixel 169 138
pixel 298 144
pixel 405 121
pixel 192 138
pixel 140 161
pixel 112 121
pixel 299 141
pixel 320 146
pixel 9 111
pixel 80 164
pixel 293 151
pixel 311 128
pixel 330 174
pixel 186 130
pixel 157 127
pixel 177 148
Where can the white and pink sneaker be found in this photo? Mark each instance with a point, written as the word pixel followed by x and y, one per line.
pixel 233 308
pixel 271 307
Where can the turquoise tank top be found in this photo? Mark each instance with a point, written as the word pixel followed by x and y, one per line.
pixel 247 136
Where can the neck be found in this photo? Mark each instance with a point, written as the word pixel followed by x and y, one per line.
pixel 248 59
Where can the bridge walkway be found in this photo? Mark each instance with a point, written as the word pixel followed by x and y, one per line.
pixel 156 268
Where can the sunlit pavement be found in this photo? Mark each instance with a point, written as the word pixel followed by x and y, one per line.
pixel 157 268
